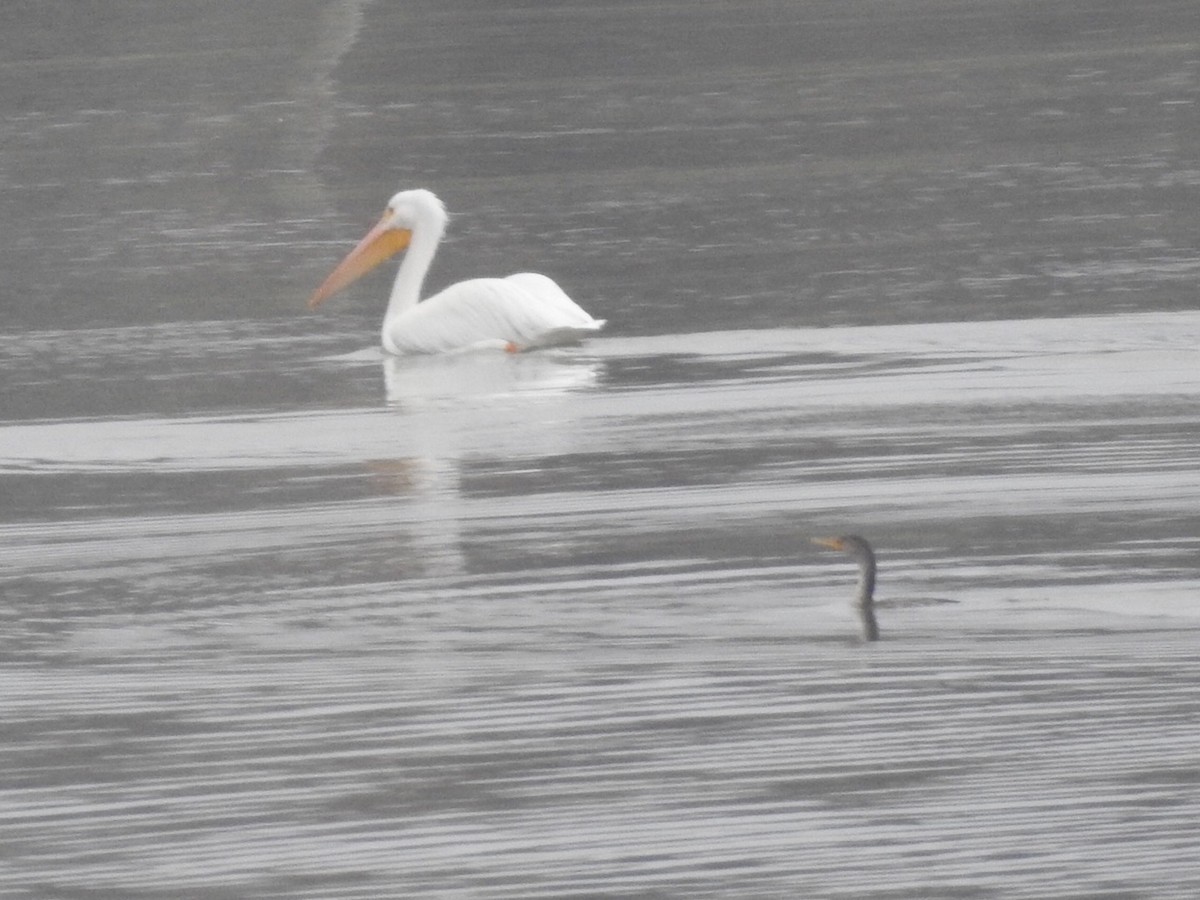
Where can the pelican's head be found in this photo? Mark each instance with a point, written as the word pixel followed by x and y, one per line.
pixel 406 212
pixel 419 207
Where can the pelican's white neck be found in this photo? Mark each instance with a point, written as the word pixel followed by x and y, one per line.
pixel 428 223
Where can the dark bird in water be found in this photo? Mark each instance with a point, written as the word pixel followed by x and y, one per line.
pixel 864 600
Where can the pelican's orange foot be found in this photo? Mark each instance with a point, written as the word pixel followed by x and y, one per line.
pixel 510 347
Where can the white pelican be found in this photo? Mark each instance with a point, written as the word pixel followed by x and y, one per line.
pixel 864 598
pixel 519 312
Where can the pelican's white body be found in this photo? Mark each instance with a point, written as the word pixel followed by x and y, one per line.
pixel 519 312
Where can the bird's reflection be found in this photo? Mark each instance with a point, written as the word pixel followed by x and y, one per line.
pixel 395 476
pixel 446 399
pixel 471 377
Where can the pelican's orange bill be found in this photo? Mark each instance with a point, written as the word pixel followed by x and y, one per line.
pixel 381 243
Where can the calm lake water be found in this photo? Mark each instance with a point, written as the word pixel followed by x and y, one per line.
pixel 282 617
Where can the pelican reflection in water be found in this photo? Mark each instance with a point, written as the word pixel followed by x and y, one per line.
pixel 864 599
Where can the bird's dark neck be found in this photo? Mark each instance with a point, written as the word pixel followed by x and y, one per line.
pixel 866 598
pixel 870 627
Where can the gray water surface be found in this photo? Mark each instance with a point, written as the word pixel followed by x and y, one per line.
pixel 282 617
